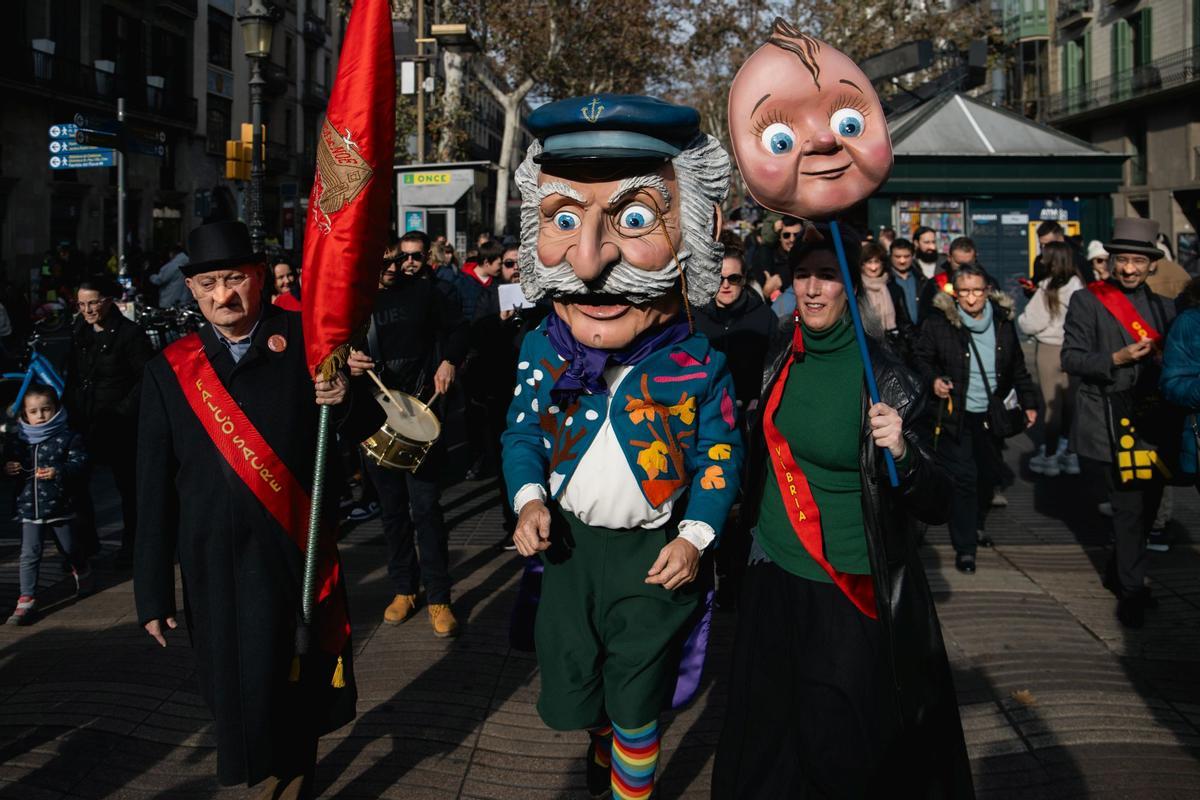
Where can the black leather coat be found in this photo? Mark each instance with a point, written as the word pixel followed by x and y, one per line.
pixel 930 747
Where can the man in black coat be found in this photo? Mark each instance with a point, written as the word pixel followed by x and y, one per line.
pixel 962 251
pixel 244 376
pixel 417 341
pixel 104 380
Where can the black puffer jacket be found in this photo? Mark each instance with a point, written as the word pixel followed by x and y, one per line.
pixel 743 332
pixel 104 372
pixel 47 498
pixel 934 752
pixel 944 350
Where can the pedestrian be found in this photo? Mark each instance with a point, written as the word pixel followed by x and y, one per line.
pixel 48 458
pixel 770 268
pixel 884 310
pixel 1097 259
pixel 969 354
pixel 284 282
pixel 225 451
pixel 837 623
pixel 905 276
pixel 170 279
pixel 1167 278
pixel 1052 231
pixel 887 237
pixel 926 239
pixel 416 342
pixel 1180 379
pixel 962 252
pixel 1043 319
pixel 474 284
pixel 103 388
pixel 1111 339
pixel 739 324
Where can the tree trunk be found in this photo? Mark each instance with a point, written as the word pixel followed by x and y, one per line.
pixel 455 65
pixel 512 120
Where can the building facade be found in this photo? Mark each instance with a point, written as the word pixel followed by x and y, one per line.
pixel 1125 76
pixel 181 69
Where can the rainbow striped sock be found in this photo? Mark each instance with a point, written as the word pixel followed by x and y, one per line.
pixel 602 745
pixel 634 758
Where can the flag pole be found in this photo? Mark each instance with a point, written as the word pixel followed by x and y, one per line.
pixel 314 516
pixel 861 336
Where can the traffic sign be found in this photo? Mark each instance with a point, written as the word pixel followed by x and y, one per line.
pixel 145 147
pixel 63 146
pixel 63 130
pixel 94 158
pixel 105 124
pixel 125 141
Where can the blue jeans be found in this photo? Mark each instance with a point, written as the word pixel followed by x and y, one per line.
pixel 31 550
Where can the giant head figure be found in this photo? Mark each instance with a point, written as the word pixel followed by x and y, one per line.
pixel 620 210
pixel 807 127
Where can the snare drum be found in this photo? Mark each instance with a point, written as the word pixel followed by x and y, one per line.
pixel 409 432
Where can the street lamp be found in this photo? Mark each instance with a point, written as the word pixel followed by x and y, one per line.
pixel 258 28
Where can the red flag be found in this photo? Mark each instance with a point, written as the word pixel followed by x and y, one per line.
pixel 348 210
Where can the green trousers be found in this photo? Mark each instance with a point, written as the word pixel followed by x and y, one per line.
pixel 607 641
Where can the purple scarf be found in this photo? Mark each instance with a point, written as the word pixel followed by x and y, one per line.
pixel 586 364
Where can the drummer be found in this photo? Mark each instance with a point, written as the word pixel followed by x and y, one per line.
pixel 416 341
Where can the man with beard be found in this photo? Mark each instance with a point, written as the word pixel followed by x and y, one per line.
pixel 622 451
pixel 927 251
pixel 417 339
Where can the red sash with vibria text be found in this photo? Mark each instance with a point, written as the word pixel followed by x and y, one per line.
pixel 263 472
pixel 798 500
pixel 1123 311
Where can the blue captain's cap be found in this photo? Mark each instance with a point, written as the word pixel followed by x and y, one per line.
pixel 612 127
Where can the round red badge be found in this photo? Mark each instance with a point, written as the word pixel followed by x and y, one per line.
pixel 277 344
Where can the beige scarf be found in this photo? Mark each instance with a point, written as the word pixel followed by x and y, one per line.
pixel 880 300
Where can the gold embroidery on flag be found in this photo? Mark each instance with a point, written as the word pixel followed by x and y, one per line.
pixel 341 172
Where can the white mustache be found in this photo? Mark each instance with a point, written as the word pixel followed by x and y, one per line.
pixel 621 279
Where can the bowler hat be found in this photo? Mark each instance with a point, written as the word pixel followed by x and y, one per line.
pixel 219 245
pixel 1134 235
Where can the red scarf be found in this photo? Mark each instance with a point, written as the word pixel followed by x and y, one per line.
pixel 798 500
pixel 263 472
pixel 1122 309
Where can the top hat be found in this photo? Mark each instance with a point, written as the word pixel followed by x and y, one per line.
pixel 607 127
pixel 219 245
pixel 1134 235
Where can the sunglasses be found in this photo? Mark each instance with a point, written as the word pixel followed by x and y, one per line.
pixel 788 234
pixel 736 279
pixel 509 262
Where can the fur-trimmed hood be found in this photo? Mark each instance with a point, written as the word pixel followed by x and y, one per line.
pixel 1002 305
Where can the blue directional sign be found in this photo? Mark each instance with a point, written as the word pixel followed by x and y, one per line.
pixel 57 146
pixel 63 130
pixel 96 157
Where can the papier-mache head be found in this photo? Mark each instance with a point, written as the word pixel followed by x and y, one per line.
pixel 620 210
pixel 807 127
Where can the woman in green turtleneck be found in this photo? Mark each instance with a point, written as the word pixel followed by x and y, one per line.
pixel 840 685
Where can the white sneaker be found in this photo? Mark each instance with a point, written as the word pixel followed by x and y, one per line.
pixel 1158 541
pixel 1069 463
pixel 1105 509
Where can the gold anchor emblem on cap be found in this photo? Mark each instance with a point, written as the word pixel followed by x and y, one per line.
pixel 593 111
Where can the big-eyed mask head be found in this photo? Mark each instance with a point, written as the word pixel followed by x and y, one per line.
pixel 806 126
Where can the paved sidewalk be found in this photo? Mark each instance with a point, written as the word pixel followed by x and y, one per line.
pixel 1057 700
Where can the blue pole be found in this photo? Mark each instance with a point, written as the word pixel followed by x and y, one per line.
pixel 861 336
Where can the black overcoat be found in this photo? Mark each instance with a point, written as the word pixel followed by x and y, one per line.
pixel 929 757
pixel 241 573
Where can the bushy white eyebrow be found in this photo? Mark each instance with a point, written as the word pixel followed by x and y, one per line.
pixel 642 182
pixel 558 187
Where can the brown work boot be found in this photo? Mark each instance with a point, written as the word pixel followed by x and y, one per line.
pixel 266 789
pixel 442 619
pixel 401 608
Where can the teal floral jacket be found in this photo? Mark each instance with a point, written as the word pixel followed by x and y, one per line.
pixel 674 415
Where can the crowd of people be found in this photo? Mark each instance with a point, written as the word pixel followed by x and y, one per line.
pixel 438 327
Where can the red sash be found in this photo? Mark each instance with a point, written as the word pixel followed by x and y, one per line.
pixel 1122 309
pixel 263 472
pixel 802 509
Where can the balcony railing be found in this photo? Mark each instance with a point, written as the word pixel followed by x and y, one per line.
pixel 48 74
pixel 1073 12
pixel 1164 73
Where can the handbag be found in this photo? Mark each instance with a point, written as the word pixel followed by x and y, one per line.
pixel 1001 420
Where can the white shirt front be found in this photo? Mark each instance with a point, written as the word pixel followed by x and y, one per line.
pixel 603 491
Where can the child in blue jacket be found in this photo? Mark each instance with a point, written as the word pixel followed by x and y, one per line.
pixel 47 456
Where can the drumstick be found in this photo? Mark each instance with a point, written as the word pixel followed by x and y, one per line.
pixel 385 389
pixel 436 394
